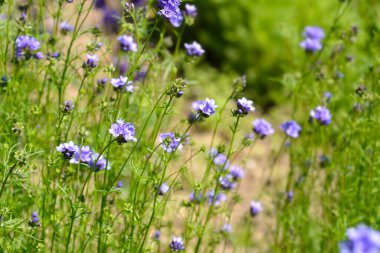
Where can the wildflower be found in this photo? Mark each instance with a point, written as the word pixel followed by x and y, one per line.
pixel 262 128
pixel 170 142
pixel 66 28
pixel 111 20
pixel 23 17
pixel 69 1
pixel 38 56
pixel 100 4
pixel 126 43
pixel 35 220
pixel 82 154
pixel 311 45
pixel 102 82
pixel 321 114
pixel 67 149
pixel 67 107
pixel 119 184
pixel 194 49
pixel 195 198
pixel 217 200
pixel 314 32
pixel 177 244
pixel 164 188
pixel 55 55
pixel 227 182
pixel 121 84
pixel 327 96
pixel 207 108
pixel 244 107
pixel 123 132
pixel 237 173
pixel 289 196
pixel 25 46
pixel 191 10
pixel 227 228
pixel 101 163
pixel 157 235
pixel 313 36
pixel 291 128
pixel 361 239
pixel 170 10
pixel 3 81
pixel 255 208
pixel 221 160
pixel 92 61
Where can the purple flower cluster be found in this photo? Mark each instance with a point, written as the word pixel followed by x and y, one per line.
pixel 291 128
pixel 313 36
pixel 26 47
pixel 262 128
pixel 194 49
pixel 244 107
pixel 207 108
pixel 122 84
pixel 361 239
pixel 76 155
pixel 255 208
pixel 321 114
pixel 217 199
pixel 126 43
pixel 35 220
pixel 170 10
pixel 66 28
pixel 229 181
pixel 177 244
pixel 123 132
pixel 170 142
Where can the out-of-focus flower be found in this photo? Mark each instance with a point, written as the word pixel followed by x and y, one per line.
pixel 227 182
pixel 170 142
pixel 122 84
pixel 66 27
pixel 321 114
pixel 313 36
pixel 177 244
pixel 164 188
pixel 221 160
pixel 67 149
pixel 227 228
pixel 191 10
pixel 170 10
pixel 291 128
pixel 119 184
pixel 311 45
pixel 236 172
pixel 361 239
pixel 217 200
pixel 157 235
pixel 244 107
pixel 35 220
pixel 67 107
pixel 255 208
pixel 195 197
pixel 92 61
pixel 126 43
pixel 194 49
pixel 262 128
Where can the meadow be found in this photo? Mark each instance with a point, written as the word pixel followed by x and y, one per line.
pixel 189 126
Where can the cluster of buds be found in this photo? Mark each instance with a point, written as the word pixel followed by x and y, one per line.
pixel 176 89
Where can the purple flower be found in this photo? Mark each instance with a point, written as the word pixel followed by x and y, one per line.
pixel 68 107
pixel 126 43
pixel 111 20
pixel 92 61
pixel 39 55
pixel 55 55
pixel 289 196
pixel 361 239
pixel 170 142
pixel 157 235
pixel 314 32
pixel 311 45
pixel 291 128
pixel 25 45
pixel 177 244
pixel 194 49
pixel 221 160
pixel 100 4
pixel 244 106
pixel 191 10
pixel 66 28
pixel 67 149
pixel 217 200
pixel 237 173
pixel 102 82
pixel 207 108
pixel 124 132
pixel 327 96
pixel 227 228
pixel 120 184
pixel 262 128
pixel 35 220
pixel 82 154
pixel 121 84
pixel 101 163
pixel 170 10
pixel 164 188
pixel 255 208
pixel 227 182
pixel 321 114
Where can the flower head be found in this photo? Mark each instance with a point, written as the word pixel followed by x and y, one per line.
pixel 321 114
pixel 237 173
pixel 124 132
pixel 311 45
pixel 207 108
pixel 68 107
pixel 66 27
pixel 170 10
pixel 120 184
pixel 164 188
pixel 35 220
pixel 215 200
pixel 227 182
pixel 177 244
pixel 67 149
pixel 221 160
pixel 227 228
pixel 98 163
pixel 194 49
pixel 314 32
pixel 126 43
pixel 244 106
pixel 25 46
pixel 291 128
pixel 361 239
pixel 262 128
pixel 191 10
pixel 255 208
pixel 122 84
pixel 157 235
pixel 92 61
pixel 170 142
